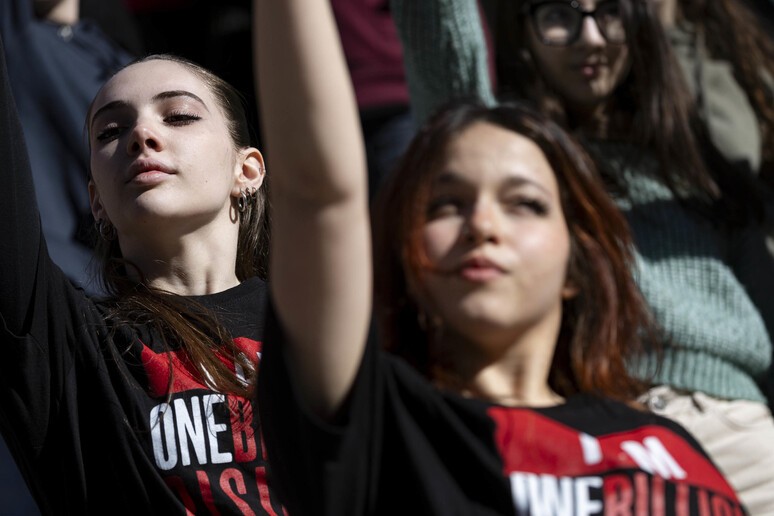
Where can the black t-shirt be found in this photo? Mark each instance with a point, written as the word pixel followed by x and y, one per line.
pixel 87 411
pixel 402 446
pixel 95 431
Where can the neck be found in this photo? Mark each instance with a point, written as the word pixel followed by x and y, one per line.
pixel 519 383
pixel 517 375
pixel 63 12
pixel 194 264
pixel 591 120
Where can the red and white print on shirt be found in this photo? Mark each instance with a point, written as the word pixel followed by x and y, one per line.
pixel 207 445
pixel 648 470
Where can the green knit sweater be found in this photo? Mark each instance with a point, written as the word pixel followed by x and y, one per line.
pixel 688 269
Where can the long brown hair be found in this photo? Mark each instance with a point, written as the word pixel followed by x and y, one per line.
pixel 179 321
pixel 732 33
pixel 602 327
pixel 652 108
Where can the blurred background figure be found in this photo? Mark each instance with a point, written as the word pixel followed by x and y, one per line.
pixel 56 63
pixel 375 61
pixel 726 52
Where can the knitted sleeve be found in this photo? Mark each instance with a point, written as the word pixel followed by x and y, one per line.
pixel 444 52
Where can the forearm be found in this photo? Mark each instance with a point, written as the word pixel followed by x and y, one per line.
pixel 320 254
pixel 20 234
pixel 444 51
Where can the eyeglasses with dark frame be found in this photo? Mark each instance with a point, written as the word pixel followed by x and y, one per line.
pixel 559 22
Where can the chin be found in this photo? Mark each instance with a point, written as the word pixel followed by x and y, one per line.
pixel 151 211
pixel 486 316
pixel 152 216
pixel 161 205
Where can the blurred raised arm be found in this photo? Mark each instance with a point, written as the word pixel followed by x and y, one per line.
pixel 444 52
pixel 20 233
pixel 320 252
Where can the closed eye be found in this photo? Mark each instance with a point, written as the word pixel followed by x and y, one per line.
pixel 443 207
pixel 526 205
pixel 181 118
pixel 108 133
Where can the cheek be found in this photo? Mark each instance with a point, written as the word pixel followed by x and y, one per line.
pixel 104 160
pixel 438 239
pixel 545 251
pixel 555 74
pixel 620 65
pixel 100 171
pixel 214 160
pixel 549 61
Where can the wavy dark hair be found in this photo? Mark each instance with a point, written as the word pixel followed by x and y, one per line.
pixel 603 326
pixel 181 322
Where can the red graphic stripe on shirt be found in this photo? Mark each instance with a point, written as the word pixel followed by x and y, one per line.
pixel 186 377
pixel 565 452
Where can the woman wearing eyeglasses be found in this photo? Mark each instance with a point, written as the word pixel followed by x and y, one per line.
pixel 604 70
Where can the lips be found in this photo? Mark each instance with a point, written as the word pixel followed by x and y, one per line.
pixel 479 269
pixel 147 171
pixel 591 67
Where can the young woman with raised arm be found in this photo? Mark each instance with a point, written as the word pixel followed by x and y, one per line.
pixel 140 403
pixel 503 291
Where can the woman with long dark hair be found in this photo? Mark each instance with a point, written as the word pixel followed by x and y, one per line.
pixel 604 70
pixel 139 403
pixel 503 292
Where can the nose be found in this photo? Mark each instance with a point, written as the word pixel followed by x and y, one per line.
pixel 590 35
pixel 143 137
pixel 483 223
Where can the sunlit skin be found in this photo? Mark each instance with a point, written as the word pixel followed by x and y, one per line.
pixel 63 12
pixel 585 73
pixel 166 173
pixel 499 247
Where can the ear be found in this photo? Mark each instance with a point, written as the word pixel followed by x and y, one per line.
pixel 97 210
pixel 249 171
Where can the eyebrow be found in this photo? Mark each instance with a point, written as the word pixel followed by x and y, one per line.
pixel 164 95
pixel 516 180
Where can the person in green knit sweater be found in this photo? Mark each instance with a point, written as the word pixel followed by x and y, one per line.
pixel 605 70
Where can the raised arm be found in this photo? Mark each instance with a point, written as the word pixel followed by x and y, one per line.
pixel 20 234
pixel 444 52
pixel 320 253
